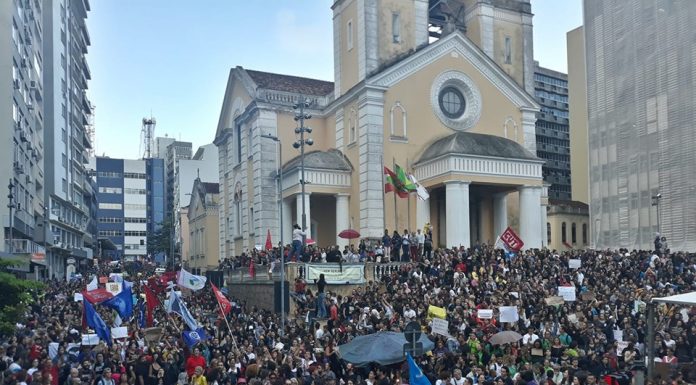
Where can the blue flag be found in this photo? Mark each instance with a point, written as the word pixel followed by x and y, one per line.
pixel 175 305
pixel 415 374
pixel 194 337
pixel 122 302
pixel 141 320
pixel 96 322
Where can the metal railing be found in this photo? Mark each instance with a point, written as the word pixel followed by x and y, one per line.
pixel 24 246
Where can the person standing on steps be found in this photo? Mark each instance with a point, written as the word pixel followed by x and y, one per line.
pixel 321 304
pixel 297 237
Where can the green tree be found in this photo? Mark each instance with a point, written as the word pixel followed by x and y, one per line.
pixel 17 294
pixel 161 239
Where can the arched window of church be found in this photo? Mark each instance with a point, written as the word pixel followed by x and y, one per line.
pixel 397 117
pixel 548 232
pixel 508 50
pixel 573 233
pixel 238 209
pixel 563 232
pixel 584 233
pixel 352 123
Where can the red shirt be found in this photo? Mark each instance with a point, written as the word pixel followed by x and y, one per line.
pixel 192 362
pixel 334 312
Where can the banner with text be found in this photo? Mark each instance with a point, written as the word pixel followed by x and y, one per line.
pixel 335 274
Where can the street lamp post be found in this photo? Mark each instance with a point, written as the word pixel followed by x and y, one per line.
pixel 301 116
pixel 11 206
pixel 656 203
pixel 282 243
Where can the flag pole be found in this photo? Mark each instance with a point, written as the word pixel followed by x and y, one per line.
pixel 224 316
pixel 408 226
pixel 384 193
pixel 396 224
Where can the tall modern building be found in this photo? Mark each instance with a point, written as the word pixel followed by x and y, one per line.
pixel 175 150
pixel 67 111
pixel 22 133
pixel 641 70
pixel 552 133
pixel 130 203
pixel 161 144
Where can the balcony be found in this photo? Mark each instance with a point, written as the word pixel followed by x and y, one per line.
pixel 24 246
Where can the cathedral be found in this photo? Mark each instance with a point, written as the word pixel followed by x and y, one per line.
pixel 441 88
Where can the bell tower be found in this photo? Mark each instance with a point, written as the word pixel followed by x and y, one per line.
pixel 503 30
pixel 371 34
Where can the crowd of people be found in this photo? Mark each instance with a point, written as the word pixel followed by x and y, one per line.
pixel 603 332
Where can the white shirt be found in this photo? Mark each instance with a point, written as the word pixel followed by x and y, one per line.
pixel 421 238
pixel 319 333
pixel 457 382
pixel 409 314
pixel 529 339
pixel 297 235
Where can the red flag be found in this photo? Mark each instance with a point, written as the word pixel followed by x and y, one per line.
pixel 168 276
pixel 225 304
pixel 96 296
pixel 269 244
pixel 151 303
pixel 512 241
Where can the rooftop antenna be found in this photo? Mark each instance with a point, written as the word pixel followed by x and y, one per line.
pixel 147 134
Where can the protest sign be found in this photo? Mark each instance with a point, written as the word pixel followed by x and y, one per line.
pixel 90 339
pixel 119 332
pixel 114 287
pixel 554 301
pixel 509 314
pixel 485 313
pixel 589 296
pixel 440 326
pixel 436 312
pixel 567 292
pixel 77 297
pixel 574 263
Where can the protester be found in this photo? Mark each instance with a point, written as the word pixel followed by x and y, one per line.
pixel 603 331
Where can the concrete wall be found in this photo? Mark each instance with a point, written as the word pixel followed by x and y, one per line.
pixel 577 103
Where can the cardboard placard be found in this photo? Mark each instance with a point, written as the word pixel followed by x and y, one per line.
pixel 589 296
pixel 574 263
pixel 509 314
pixel 537 352
pixel 440 326
pixel 152 334
pixel 436 312
pixel 485 313
pixel 77 297
pixel 573 318
pixel 567 292
pixel 554 301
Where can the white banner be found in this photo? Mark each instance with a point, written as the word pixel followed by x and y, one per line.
pixel 114 287
pixel 440 326
pixel 119 332
pixel 334 274
pixel 484 313
pixel 574 263
pixel 90 339
pixel 77 297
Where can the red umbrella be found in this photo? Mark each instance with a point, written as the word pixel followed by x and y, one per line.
pixel 269 244
pixel 349 234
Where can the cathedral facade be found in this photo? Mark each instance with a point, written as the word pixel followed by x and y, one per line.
pixel 442 89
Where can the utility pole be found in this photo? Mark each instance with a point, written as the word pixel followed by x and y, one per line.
pixel 11 206
pixel 301 116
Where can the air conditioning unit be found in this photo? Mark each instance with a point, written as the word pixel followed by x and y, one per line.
pixel 16 84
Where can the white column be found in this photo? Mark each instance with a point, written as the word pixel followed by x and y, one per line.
pixel 530 216
pixel 287 221
pixel 342 218
pixel 307 211
pixel 422 212
pixel 499 213
pixel 457 202
pixel 544 233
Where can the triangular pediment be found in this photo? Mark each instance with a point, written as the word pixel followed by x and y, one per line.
pixel 237 79
pixel 455 43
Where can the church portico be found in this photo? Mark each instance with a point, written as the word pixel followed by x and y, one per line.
pixel 469 177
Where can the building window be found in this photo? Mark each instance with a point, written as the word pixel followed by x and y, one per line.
pixel 110 206
pixel 396 28
pixel 563 232
pixel 452 102
pixel 349 35
pixel 110 190
pixel 239 143
pixel 397 117
pixel 573 234
pixel 238 209
pixel 548 232
pixel 508 50
pixel 584 233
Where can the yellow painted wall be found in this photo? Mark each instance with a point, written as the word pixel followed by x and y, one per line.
pixel 387 48
pixel 577 103
pixel 556 222
pixel 238 92
pixel 349 58
pixel 514 31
